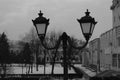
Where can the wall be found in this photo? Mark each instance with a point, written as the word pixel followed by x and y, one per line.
pixel 108 44
pixel 94 47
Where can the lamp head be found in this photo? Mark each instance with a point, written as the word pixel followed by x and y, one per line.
pixel 41 24
pixel 87 24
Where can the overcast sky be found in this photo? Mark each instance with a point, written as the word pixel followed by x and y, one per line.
pixel 16 15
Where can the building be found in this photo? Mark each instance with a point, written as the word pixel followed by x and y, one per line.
pixel 105 51
pixel 85 57
pixel 110 41
pixel 51 53
pixel 116 12
pixel 94 47
pixel 15 47
pixel 108 44
pixel 109 47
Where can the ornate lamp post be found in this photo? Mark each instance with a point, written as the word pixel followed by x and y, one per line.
pixel 87 24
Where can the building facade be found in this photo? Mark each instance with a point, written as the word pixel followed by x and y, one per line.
pixel 109 48
pixel 85 57
pixel 94 47
pixel 108 44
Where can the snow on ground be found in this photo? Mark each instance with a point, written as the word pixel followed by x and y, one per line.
pixel 58 69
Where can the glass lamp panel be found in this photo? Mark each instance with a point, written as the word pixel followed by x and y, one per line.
pixel 85 27
pixel 41 28
pixel 92 28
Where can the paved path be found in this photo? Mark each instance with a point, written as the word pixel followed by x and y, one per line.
pixel 87 71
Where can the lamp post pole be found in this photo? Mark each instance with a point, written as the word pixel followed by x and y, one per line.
pixel 65 63
pixel 44 61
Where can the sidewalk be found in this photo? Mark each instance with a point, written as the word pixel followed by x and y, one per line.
pixel 86 70
pixel 92 67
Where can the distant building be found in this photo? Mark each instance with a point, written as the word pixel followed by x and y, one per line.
pixel 94 47
pixel 85 57
pixel 15 47
pixel 51 53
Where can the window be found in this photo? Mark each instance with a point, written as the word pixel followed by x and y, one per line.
pixel 118 39
pixel 118 60
pixel 114 19
pixel 114 60
pixel 119 18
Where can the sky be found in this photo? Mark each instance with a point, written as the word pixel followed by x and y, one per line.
pixel 16 16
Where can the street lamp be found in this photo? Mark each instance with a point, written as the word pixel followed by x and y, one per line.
pixel 87 24
pixel 41 24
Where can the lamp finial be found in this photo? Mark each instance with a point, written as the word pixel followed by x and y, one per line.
pixel 40 14
pixel 87 13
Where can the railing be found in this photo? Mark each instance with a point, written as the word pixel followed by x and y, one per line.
pixel 19 79
pixel 34 76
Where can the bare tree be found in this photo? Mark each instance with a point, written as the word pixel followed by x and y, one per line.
pixel 52 39
pixel 32 38
pixel 31 35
